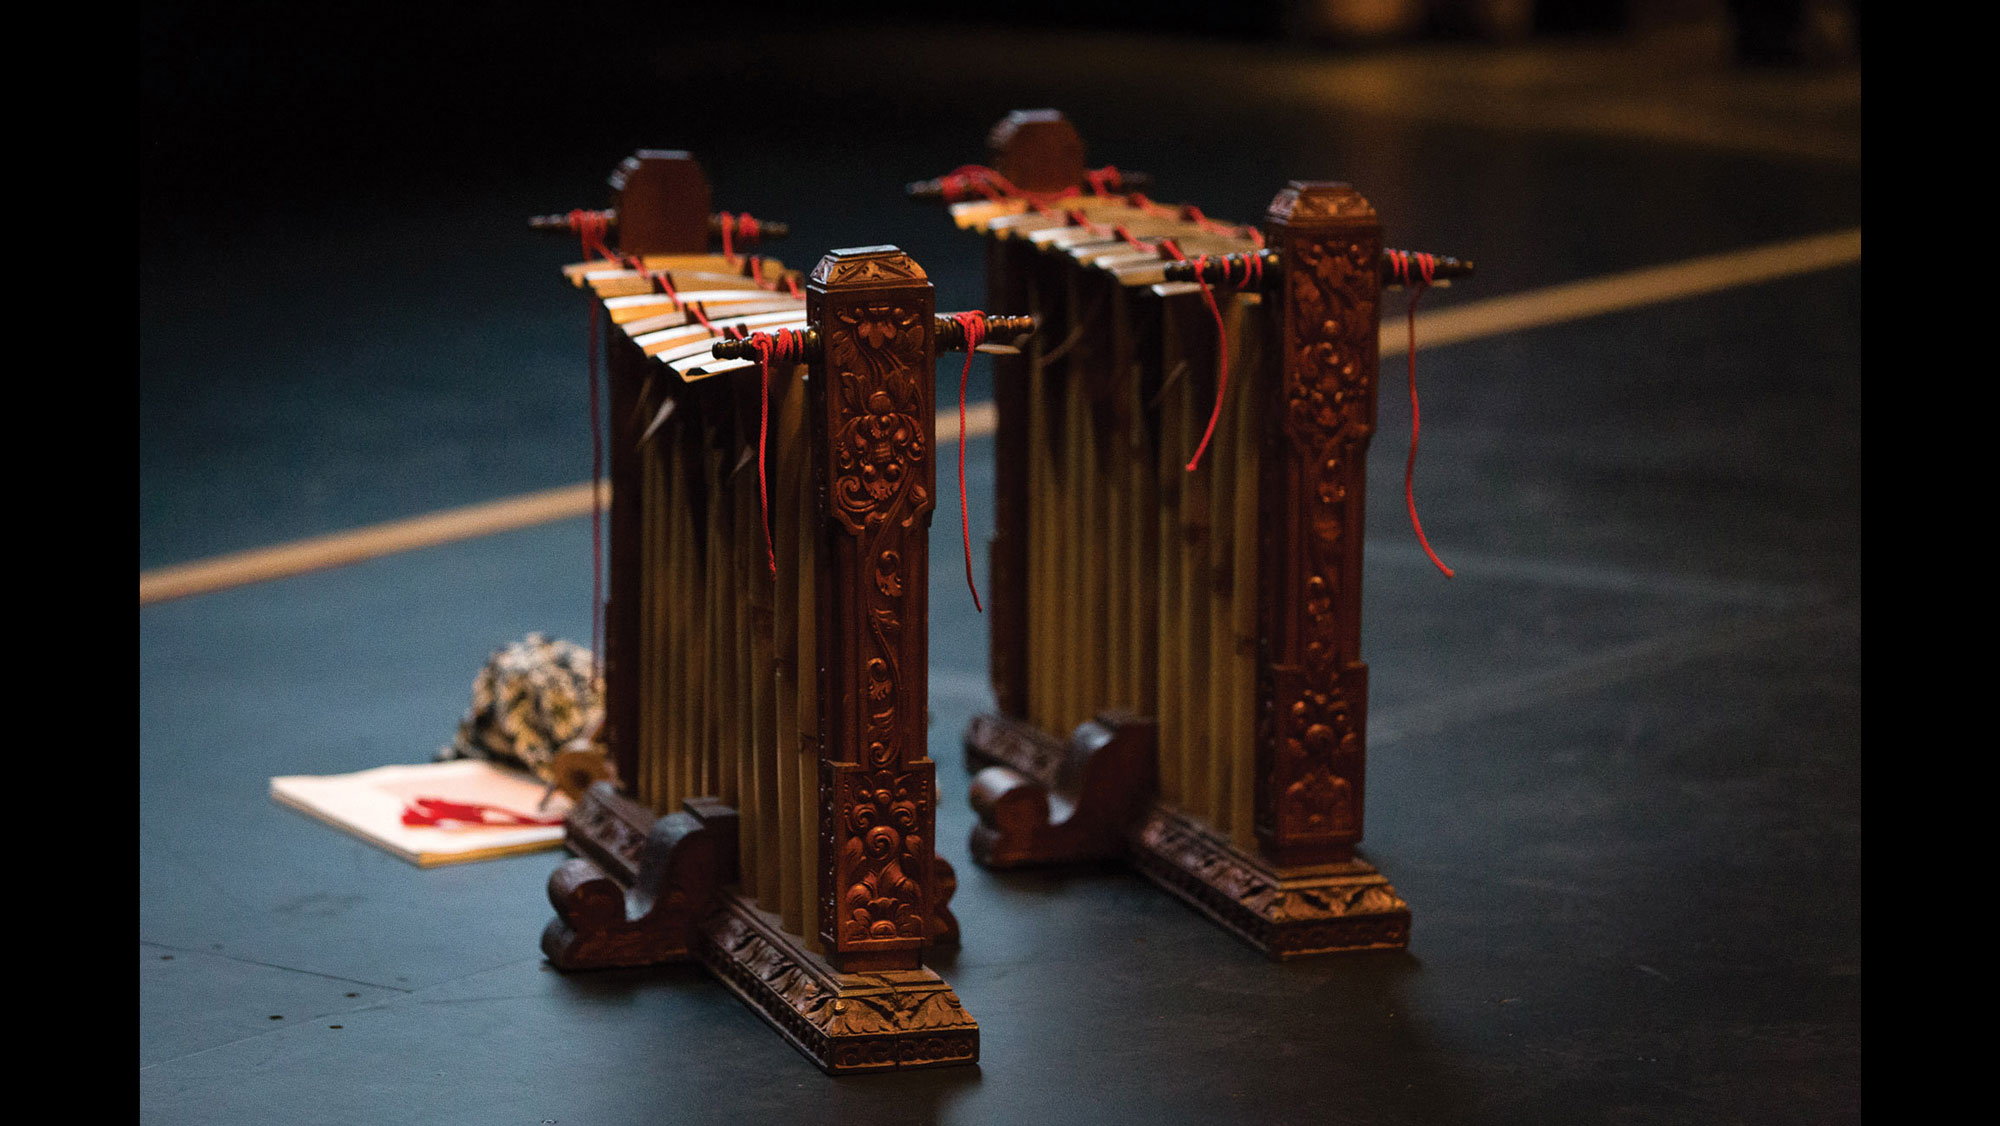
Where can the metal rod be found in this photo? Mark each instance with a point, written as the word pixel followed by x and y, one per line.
pixel 559 224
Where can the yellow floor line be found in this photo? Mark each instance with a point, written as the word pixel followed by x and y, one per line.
pixel 1651 286
pixel 320 552
pixel 1554 305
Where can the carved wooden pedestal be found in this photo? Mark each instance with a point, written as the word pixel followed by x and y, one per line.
pixel 1284 913
pixel 1041 801
pixel 844 1022
pixel 638 885
pixel 642 892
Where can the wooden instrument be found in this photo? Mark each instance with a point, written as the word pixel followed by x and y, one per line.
pixel 766 636
pixel 1195 621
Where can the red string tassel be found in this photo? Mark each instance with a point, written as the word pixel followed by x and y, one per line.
pixel 1221 349
pixel 974 324
pixel 786 344
pixel 1426 265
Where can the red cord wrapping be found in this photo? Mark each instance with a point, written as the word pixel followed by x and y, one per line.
pixel 1426 265
pixel 591 227
pixel 974 324
pixel 956 184
pixel 729 225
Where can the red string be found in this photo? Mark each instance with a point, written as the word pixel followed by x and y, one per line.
pixel 974 324
pixel 1426 266
pixel 956 185
pixel 591 227
pixel 695 310
pixel 661 282
pixel 785 344
pixel 1221 347
pixel 728 224
pixel 434 812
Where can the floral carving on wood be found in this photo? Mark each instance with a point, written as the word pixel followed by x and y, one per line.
pixel 861 266
pixel 877 390
pixel 1317 742
pixel 1319 200
pixel 884 854
pixel 881 445
pixel 1329 387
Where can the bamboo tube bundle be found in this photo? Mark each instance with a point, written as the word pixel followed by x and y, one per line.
pixel 766 636
pixel 1177 558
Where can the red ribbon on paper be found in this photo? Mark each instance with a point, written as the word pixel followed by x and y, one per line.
pixel 435 812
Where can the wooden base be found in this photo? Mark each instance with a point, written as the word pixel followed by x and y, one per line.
pixel 1286 913
pixel 845 1023
pixel 644 890
pixel 1046 802
pixel 638 884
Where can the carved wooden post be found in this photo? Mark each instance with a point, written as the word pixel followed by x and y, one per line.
pixel 1312 684
pixel 872 398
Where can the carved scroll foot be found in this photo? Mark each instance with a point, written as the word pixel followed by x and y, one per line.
pixel 943 927
pixel 1052 802
pixel 638 886
pixel 1286 913
pixel 845 1023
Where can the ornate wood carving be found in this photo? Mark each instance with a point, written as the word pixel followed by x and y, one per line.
pixel 872 397
pixel 943 927
pixel 844 1022
pixel 1312 685
pixel 638 886
pixel 1080 804
pixel 1286 913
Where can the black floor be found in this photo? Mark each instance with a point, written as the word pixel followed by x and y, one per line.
pixel 1614 764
